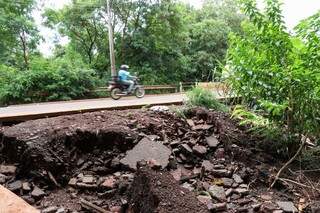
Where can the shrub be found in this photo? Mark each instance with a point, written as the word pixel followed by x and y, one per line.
pixel 204 98
pixel 48 80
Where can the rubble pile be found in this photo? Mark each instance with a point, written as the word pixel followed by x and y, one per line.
pixel 79 163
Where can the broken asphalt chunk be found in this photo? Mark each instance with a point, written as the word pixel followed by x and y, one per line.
pixel 147 150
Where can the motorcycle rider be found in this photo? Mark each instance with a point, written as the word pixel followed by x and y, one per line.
pixel 125 77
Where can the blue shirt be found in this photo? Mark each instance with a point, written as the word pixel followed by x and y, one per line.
pixel 123 75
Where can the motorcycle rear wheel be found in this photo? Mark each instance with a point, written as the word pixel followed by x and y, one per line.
pixel 115 93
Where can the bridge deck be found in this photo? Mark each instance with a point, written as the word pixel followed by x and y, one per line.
pixel 49 109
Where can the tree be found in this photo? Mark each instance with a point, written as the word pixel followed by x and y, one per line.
pixel 275 70
pixel 19 35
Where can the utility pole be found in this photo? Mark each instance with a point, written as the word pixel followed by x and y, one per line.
pixel 111 46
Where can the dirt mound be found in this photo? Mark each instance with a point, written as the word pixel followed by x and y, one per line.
pixel 158 192
pixel 207 153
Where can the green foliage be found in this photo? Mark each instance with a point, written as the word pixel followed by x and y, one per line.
pixel 48 79
pixel 204 98
pixel 163 41
pixel 277 71
pixel 275 137
pixel 19 35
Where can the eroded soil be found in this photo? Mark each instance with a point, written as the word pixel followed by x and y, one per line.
pixel 60 161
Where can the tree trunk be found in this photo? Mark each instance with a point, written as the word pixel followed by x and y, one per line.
pixel 25 49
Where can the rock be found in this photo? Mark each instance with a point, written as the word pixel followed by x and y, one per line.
pixel 88 179
pixel 266 197
pixel 205 199
pixel 237 178
pixel 218 193
pixel 202 127
pixel 208 166
pixel 115 163
pixel 241 191
pixel 176 174
pixel 147 150
pixel 175 143
pixel 159 108
pixel 229 192
pixel 7 169
pixel 15 186
pixel 221 172
pixel 26 186
pixel 277 211
pixel 287 206
pixel 80 162
pixel 109 182
pixel 3 178
pixel 243 185
pixel 61 210
pixel 72 182
pixel 243 209
pixel 185 148
pixel 37 193
pixel 187 186
pixel 212 141
pixel 219 153
pixel 227 182
pixel 217 207
pixel 51 209
pixel 268 207
pixel 183 157
pixel 190 123
pixel 199 150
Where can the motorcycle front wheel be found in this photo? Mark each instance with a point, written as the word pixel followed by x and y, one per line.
pixel 115 93
pixel 139 92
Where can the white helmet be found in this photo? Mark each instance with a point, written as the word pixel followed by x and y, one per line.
pixel 124 67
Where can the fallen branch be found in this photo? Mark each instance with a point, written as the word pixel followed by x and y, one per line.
pixel 287 164
pixel 299 184
pixel 92 207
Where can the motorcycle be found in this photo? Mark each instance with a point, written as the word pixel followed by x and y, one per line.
pixel 117 89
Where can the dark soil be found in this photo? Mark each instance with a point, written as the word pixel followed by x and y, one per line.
pixel 158 192
pixel 71 157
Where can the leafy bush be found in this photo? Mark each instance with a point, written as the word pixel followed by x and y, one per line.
pixel 277 70
pixel 204 98
pixel 48 80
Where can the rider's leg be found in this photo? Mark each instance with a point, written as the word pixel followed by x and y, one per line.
pixel 128 83
pixel 131 84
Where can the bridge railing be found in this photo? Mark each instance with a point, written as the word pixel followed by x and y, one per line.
pixel 180 87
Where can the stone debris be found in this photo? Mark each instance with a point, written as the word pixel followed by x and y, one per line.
pixel 287 206
pixel 37 193
pixel 147 150
pixel 218 193
pixel 214 171
pixel 8 169
pixel 212 141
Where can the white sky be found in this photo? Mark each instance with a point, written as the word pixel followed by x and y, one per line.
pixel 293 12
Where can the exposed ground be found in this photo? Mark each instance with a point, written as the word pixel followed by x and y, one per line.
pixel 60 164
